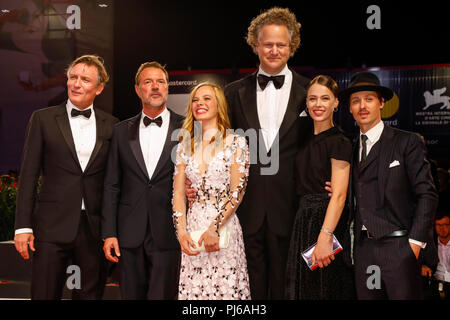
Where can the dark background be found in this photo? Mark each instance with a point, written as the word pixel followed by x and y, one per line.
pixel 202 35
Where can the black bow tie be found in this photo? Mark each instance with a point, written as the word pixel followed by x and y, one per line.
pixel 263 80
pixel 148 121
pixel 85 113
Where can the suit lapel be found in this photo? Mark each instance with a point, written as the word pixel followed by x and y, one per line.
pixel 247 95
pixel 296 101
pixel 133 137
pixel 100 126
pixel 168 145
pixel 386 150
pixel 371 157
pixel 62 119
pixel 354 167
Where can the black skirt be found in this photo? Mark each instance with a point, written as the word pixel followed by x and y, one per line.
pixel 334 282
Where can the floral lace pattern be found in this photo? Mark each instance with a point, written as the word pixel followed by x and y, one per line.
pixel 220 188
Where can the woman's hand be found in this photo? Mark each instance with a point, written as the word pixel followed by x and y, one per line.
pixel 211 240
pixel 322 254
pixel 186 243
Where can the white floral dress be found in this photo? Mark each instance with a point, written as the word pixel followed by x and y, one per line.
pixel 221 274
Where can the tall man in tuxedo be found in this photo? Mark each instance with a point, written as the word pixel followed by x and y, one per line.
pixel 68 145
pixel 272 102
pixel 137 211
pixel 392 197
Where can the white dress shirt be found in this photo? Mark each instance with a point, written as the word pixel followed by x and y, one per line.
pixel 84 133
pixel 373 135
pixel 443 267
pixel 152 140
pixel 272 104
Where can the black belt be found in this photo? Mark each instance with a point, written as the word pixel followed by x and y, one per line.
pixel 397 233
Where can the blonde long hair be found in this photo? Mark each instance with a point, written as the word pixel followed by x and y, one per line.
pixel 223 121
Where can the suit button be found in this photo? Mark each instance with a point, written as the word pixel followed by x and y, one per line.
pixel 150 185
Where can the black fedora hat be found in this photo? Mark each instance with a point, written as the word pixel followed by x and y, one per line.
pixel 365 81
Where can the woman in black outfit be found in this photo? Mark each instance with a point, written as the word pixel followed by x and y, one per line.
pixel 324 157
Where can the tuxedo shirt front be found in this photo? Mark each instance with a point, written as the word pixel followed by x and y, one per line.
pixel 152 139
pixel 272 104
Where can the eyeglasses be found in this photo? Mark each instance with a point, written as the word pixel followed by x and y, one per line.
pixel 442 224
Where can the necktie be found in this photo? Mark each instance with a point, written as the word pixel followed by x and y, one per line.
pixel 85 113
pixel 263 80
pixel 364 147
pixel 158 121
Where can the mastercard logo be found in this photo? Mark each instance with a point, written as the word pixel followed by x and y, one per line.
pixel 390 108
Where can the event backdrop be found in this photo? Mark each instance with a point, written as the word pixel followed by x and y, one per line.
pixel 421 102
pixel 38 39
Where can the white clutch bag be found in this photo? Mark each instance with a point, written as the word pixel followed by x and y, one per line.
pixel 224 238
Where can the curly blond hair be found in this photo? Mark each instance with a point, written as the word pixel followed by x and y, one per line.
pixel 277 16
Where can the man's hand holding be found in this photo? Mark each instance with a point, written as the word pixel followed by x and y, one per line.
pixel 416 249
pixel 22 241
pixel 111 243
pixel 191 193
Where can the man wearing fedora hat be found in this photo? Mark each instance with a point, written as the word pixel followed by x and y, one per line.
pixel 392 197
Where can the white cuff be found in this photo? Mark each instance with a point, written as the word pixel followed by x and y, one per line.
pixel 23 230
pixel 420 244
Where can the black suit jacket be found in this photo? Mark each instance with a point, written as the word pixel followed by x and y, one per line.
pixel 430 255
pixel 133 201
pixel 50 151
pixel 271 195
pixel 406 197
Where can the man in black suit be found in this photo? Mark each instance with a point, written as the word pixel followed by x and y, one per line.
pixel 68 145
pixel 137 211
pixel 392 197
pixel 270 102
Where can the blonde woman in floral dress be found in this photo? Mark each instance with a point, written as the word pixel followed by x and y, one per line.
pixel 216 162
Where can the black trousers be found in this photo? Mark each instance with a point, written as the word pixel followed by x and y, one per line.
pixel 431 289
pixel 51 261
pixel 399 270
pixel 148 273
pixel 266 255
